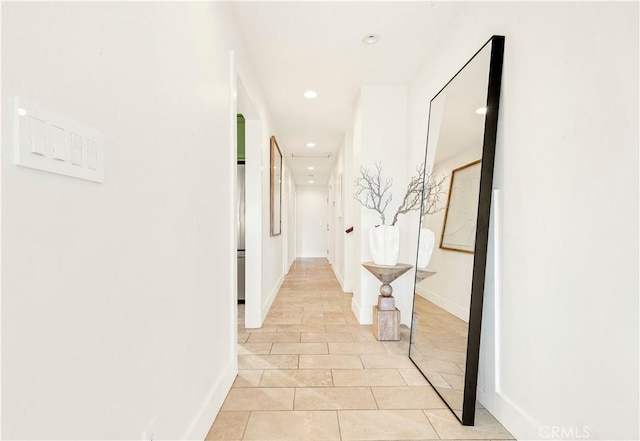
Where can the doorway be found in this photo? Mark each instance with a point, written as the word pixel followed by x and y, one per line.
pixel 311 221
pixel 249 314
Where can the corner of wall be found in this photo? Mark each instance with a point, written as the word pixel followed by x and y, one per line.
pixel 513 418
pixel 355 308
pixel 272 296
pixel 207 415
pixel 338 276
pixel 290 264
pixel 442 302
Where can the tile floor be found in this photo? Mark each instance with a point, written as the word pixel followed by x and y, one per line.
pixel 440 350
pixel 313 373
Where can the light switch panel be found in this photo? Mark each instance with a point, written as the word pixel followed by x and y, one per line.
pixel 76 150
pixel 92 154
pixel 37 136
pixel 59 139
pixel 48 141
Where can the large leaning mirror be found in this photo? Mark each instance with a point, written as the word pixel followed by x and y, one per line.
pixel 454 229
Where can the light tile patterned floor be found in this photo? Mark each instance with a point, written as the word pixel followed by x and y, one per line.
pixel 440 350
pixel 313 373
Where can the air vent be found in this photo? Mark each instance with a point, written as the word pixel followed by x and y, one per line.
pixel 316 155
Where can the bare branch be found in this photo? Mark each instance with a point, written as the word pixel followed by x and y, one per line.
pixel 372 192
pixel 422 192
pixel 412 198
pixel 433 192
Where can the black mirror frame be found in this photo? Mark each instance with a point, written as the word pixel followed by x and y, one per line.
pixel 482 230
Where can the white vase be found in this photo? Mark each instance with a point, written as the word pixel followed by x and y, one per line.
pixel 384 243
pixel 425 247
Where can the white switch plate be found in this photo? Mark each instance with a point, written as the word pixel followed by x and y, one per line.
pixel 48 141
pixel 76 149
pixel 38 137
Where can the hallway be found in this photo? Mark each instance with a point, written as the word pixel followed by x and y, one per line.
pixel 312 373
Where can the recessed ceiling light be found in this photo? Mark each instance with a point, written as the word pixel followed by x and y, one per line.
pixel 310 94
pixel 22 112
pixel 310 182
pixel 311 145
pixel 370 39
pixel 310 168
pixel 481 110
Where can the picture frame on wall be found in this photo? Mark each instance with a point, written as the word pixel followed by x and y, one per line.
pixel 460 219
pixel 276 187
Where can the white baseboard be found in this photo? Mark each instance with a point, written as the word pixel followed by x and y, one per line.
pixel 355 307
pixel 290 265
pixel 442 302
pixel 338 276
pixel 207 415
pixel 272 296
pixel 510 415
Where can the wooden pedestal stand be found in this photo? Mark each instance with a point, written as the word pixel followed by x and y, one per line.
pixel 386 317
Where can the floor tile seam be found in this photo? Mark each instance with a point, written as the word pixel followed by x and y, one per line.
pixel 338 409
pixel 261 377
pixel 404 379
pixel 362 362
pixel 429 421
pixel 374 397
pixel 339 426
pixel 424 411
pixel 326 387
pixel 244 431
pixel 421 409
pixel 293 403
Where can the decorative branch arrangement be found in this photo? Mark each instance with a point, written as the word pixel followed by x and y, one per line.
pixel 371 192
pixel 433 191
pixel 374 192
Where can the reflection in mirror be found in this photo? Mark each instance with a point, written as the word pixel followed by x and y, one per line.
pixel 445 335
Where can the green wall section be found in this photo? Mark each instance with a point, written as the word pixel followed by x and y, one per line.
pixel 240 138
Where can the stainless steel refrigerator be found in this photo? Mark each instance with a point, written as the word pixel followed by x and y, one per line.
pixel 240 209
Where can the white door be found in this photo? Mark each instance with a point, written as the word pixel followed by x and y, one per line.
pixel 311 221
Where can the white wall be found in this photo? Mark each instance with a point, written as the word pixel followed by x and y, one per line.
pixel 344 262
pixel 264 276
pixel 380 134
pixel 273 247
pixel 311 221
pixel 268 257
pixel 291 219
pixel 254 211
pixel 350 215
pixel 337 219
pixel 117 298
pixel 560 335
pixel 354 212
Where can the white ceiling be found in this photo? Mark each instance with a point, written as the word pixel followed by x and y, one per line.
pixel 461 127
pixel 296 46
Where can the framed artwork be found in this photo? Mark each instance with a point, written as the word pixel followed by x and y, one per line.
pixel 460 219
pixel 276 188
